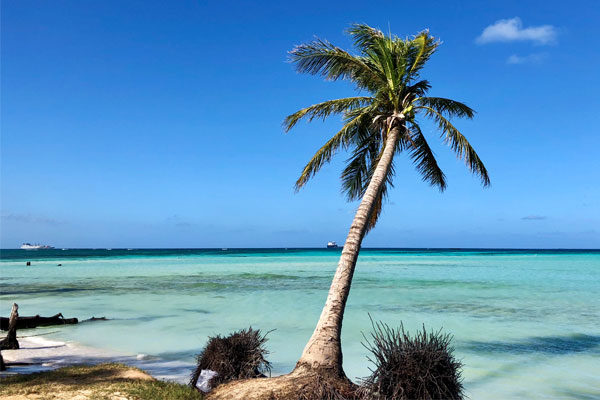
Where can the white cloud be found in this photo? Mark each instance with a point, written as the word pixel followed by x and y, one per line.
pixel 510 30
pixel 529 59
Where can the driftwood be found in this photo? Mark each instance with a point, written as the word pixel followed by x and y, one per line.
pixel 10 342
pixel 33 322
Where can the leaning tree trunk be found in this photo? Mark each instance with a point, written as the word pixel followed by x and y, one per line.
pixel 323 352
pixel 10 342
pixel 320 367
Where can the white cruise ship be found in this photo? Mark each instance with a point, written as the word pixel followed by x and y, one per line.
pixel 331 245
pixel 37 246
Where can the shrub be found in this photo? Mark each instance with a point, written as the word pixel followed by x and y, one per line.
pixel 237 356
pixel 422 367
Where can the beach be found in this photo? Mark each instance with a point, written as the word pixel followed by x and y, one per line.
pixel 44 355
pixel 524 322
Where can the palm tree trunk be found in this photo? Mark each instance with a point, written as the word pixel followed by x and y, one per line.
pixel 323 352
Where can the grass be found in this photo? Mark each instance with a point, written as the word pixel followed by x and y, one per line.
pixel 103 381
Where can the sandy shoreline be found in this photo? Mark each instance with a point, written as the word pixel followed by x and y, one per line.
pixel 44 354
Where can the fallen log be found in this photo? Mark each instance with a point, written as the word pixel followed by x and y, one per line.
pixel 10 342
pixel 34 322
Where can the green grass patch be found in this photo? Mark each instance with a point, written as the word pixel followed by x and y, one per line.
pixel 103 381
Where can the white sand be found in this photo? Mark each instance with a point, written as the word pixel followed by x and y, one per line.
pixel 44 354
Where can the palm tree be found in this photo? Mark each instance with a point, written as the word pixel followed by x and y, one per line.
pixel 377 126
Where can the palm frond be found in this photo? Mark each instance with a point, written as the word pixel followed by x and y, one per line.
pixel 424 159
pixel 358 173
pixel 326 152
pixel 320 57
pixel 383 53
pixel 355 176
pixel 381 197
pixel 325 109
pixel 459 143
pixel 419 88
pixel 447 107
pixel 364 36
pixel 377 209
pixel 423 46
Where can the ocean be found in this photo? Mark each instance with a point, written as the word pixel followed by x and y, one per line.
pixel 525 323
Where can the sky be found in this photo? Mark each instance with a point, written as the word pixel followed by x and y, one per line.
pixel 158 124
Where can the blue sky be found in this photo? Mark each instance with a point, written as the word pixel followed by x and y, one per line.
pixel 158 124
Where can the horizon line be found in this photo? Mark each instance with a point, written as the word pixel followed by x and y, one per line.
pixel 301 248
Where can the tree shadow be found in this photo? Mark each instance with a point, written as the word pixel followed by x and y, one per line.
pixel 535 346
pixel 550 345
pixel 578 394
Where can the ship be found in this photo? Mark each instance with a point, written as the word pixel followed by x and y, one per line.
pixel 332 245
pixel 37 246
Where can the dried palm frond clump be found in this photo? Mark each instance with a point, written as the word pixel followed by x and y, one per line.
pixel 321 389
pixel 240 355
pixel 420 367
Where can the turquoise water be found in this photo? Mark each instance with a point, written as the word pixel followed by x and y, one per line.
pixel 526 324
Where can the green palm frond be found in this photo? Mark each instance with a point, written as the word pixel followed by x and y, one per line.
pixel 381 197
pixel 447 107
pixel 424 159
pixel 383 54
pixel 422 48
pixel 320 57
pixel 459 143
pixel 364 36
pixel 356 175
pixel 419 88
pixel 326 152
pixel 325 109
pixel 378 208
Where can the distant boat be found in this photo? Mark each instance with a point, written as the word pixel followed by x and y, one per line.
pixel 332 245
pixel 37 246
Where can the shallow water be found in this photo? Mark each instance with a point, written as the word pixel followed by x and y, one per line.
pixel 525 323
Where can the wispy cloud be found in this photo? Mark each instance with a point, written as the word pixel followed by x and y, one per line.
pixel 511 30
pixel 178 221
pixel 528 59
pixel 534 218
pixel 30 219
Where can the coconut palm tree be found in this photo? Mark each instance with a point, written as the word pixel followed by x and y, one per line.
pixel 377 125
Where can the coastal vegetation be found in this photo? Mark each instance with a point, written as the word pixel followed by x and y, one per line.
pixel 379 124
pixel 405 367
pixel 239 355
